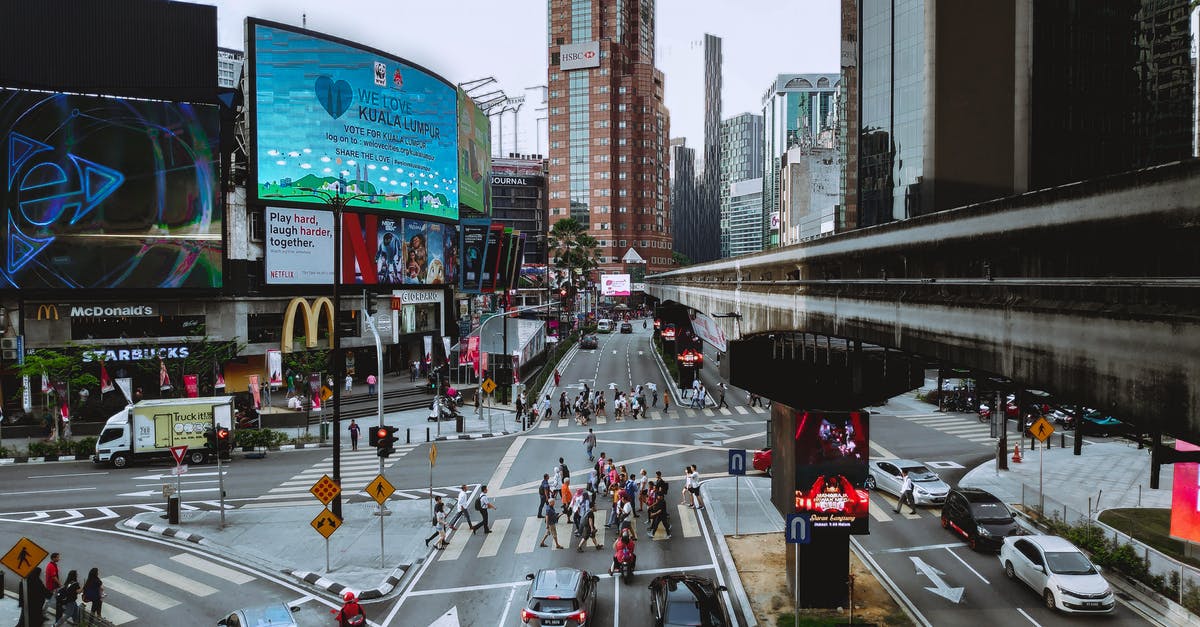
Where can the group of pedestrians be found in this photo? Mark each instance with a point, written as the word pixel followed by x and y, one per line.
pixel 64 591
pixel 445 522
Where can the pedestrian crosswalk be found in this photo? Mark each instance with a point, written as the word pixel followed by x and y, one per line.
pixel 358 468
pixel 675 413
pixel 965 426
pixel 146 591
pixel 517 536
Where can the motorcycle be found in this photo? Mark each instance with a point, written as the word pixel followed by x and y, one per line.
pixel 626 569
pixel 985 413
pixel 455 396
pixel 442 409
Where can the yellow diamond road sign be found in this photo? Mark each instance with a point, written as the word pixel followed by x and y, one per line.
pixel 380 489
pixel 488 386
pixel 23 557
pixel 432 455
pixel 326 523
pixel 325 489
pixel 1041 429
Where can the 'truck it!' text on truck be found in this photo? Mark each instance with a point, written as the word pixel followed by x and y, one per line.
pixel 147 430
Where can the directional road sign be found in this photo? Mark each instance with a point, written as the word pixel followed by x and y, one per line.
pixel 1041 429
pixel 23 557
pixel 179 452
pixel 432 455
pixel 325 489
pixel 380 489
pixel 326 523
pixel 488 386
pixel 737 461
pixel 799 529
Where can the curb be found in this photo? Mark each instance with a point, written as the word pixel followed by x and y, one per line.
pixel 474 436
pixel 163 530
pixel 736 579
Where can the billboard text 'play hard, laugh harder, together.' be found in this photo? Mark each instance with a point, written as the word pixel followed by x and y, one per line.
pixel 311 317
pixel 349 120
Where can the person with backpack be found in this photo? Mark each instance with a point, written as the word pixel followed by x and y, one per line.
pixel 587 527
pixel 657 511
pixel 351 614
pixel 551 525
pixel 66 600
pixel 623 551
pixel 482 505
pixel 53 581
pixel 93 591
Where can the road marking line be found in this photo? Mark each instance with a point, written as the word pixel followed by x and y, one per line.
pixel 175 580
pixel 529 534
pixel 114 615
pixel 725 411
pixel 687 522
pixel 141 594
pixel 978 438
pixel 600 420
pixel 877 512
pixel 708 412
pixel 741 410
pixel 491 542
pixel 546 423
pixel 656 416
pixel 506 462
pixel 1030 618
pixel 203 565
pixel 911 549
pixel 601 517
pixel 964 563
pixel 927 418
pixel 965 429
pixel 883 452
pixel 454 549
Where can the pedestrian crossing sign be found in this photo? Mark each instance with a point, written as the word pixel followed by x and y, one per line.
pixel 325 489
pixel 488 386
pixel 1041 429
pixel 380 489
pixel 23 557
pixel 326 523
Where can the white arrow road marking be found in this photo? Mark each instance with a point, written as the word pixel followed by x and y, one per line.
pixel 171 475
pixel 940 587
pixel 159 491
pixel 450 618
pixel 107 513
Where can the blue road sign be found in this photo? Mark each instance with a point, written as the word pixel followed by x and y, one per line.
pixel 798 530
pixel 737 461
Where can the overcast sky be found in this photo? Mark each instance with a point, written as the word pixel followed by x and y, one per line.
pixel 469 39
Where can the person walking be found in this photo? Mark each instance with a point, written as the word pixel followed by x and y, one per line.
pixel 439 527
pixel 557 377
pixel 66 600
pixel 93 591
pixel 349 384
pixel 658 515
pixel 353 428
pixel 551 525
pixel 371 381
pixel 906 494
pixel 589 444
pixel 483 504
pixel 695 389
pixel 722 402
pixel 546 410
pixel 643 484
pixel 520 405
pixel 543 494
pixel 462 508
pixel 695 478
pixel 412 370
pixel 567 495
pixel 587 530
pixel 32 599
pixel 53 581
pixel 666 403
pixel 686 497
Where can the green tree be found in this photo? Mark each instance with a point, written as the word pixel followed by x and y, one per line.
pixel 680 259
pixel 572 249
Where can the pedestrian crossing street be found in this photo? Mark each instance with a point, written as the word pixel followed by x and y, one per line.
pixel 965 426
pixel 676 413
pixel 517 536
pixel 358 468
pixel 174 585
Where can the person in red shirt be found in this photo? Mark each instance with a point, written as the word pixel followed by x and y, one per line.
pixel 351 613
pixel 623 551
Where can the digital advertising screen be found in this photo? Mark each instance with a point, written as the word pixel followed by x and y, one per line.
pixel 614 285
pixel 299 246
pixel 350 121
pixel 492 249
pixel 474 248
pixel 383 250
pixel 831 467
pixel 109 193
pixel 1185 498
pixel 475 155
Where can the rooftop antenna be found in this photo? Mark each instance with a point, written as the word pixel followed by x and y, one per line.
pixel 304 21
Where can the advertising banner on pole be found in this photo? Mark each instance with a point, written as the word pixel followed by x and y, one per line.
pixel 706 328
pixel 274 367
pixel 191 384
pixel 255 390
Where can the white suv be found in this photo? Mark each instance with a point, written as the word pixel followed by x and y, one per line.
pixel 1061 573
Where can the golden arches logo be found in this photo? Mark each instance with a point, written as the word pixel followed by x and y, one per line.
pixel 46 310
pixel 312 320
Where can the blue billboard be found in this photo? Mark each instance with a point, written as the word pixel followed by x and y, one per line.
pixel 351 122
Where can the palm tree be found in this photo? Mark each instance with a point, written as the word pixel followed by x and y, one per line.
pixel 571 248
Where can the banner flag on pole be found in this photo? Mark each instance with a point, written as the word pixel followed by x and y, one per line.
pixel 164 379
pixel 106 383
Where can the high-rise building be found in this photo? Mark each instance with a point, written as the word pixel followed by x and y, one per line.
pixel 683 184
pixel 229 66
pixel 519 201
pixel 609 128
pixel 1072 91
pixel 699 225
pixel 799 110
pixel 745 216
pixel 741 159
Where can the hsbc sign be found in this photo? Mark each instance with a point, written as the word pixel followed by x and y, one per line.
pixel 579 56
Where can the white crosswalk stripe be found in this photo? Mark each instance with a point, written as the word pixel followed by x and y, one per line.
pixel 164 587
pixel 741 410
pixel 358 468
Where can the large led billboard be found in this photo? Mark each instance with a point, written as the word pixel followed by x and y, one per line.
pixel 109 193
pixel 1185 498
pixel 831 469
pixel 614 285
pixel 299 246
pixel 383 250
pixel 349 121
pixel 475 155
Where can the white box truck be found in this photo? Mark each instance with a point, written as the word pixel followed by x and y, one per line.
pixel 147 430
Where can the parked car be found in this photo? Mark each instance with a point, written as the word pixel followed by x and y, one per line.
pixel 560 596
pixel 762 460
pixel 680 599
pixel 626 327
pixel 1064 577
pixel 886 475
pixel 273 614
pixel 588 341
pixel 982 519
pixel 1100 424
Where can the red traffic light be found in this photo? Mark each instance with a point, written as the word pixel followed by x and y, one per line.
pixel 381 432
pixel 222 433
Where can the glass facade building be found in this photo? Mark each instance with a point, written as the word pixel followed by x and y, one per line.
pixel 741 159
pixel 745 217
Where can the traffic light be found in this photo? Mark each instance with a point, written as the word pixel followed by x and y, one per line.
pixel 386 440
pixel 224 439
pixel 373 436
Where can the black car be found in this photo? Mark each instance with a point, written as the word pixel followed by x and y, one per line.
pixel 560 596
pixel 626 327
pixel 979 517
pixel 681 599
pixel 589 341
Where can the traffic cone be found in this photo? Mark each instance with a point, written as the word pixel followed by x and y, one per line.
pixel 1016 456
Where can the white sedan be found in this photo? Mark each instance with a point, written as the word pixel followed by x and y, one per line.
pixel 887 475
pixel 1061 573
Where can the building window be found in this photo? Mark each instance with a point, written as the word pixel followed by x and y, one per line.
pixel 257 229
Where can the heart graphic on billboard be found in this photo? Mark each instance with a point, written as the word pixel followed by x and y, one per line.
pixel 335 97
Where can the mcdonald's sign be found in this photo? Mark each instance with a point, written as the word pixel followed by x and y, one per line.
pixel 47 310
pixel 312 319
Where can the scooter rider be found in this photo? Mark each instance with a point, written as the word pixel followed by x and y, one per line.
pixel 623 552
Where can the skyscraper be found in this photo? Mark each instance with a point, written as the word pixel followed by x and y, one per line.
pixel 683 184
pixel 698 236
pixel 609 128
pixel 741 159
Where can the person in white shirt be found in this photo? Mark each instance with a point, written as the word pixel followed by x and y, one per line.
pixel 686 497
pixel 462 508
pixel 485 503
pixel 694 482
pixel 906 495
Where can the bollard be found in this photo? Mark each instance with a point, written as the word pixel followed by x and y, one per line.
pixel 173 509
pixel 1062 440
pixel 408 435
pixel 426 434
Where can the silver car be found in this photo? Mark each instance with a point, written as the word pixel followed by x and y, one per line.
pixel 887 475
